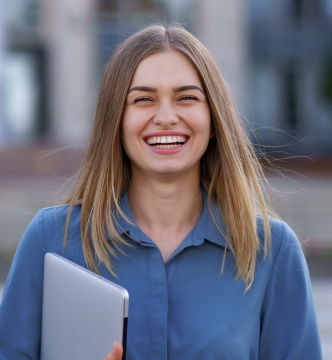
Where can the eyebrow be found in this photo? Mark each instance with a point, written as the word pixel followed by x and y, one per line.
pixel 175 90
pixel 142 88
pixel 188 87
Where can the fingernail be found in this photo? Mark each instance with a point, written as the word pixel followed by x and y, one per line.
pixel 113 350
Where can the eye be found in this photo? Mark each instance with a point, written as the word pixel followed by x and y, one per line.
pixel 142 99
pixel 188 97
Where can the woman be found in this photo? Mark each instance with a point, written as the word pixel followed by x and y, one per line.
pixel 169 204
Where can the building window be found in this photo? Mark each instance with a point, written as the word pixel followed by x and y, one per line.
pixel 291 96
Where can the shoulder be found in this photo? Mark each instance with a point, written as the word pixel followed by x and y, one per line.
pixel 285 258
pixel 58 213
pixel 48 226
pixel 45 233
pixel 286 261
pixel 56 216
pixel 281 235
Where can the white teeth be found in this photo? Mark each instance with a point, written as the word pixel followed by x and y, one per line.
pixel 166 140
pixel 166 146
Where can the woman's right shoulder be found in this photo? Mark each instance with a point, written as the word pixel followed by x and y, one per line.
pixel 48 226
pixel 55 215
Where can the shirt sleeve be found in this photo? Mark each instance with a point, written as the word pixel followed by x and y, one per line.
pixel 21 305
pixel 289 329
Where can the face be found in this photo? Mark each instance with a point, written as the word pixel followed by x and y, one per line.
pixel 166 123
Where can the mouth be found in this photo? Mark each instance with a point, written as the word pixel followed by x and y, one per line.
pixel 166 142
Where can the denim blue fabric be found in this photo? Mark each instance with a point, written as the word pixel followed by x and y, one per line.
pixel 181 309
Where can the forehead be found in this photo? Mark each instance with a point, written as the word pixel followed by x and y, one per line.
pixel 170 67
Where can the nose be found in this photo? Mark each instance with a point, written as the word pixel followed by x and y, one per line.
pixel 165 115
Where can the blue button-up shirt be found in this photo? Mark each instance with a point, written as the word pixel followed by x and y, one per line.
pixel 181 309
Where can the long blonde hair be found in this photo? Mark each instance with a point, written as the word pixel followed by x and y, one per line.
pixel 230 171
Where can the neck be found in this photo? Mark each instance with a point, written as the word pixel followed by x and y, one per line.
pixel 166 209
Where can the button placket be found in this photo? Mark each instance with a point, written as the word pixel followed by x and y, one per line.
pixel 159 304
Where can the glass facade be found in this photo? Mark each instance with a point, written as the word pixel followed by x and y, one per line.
pixel 22 98
pixel 289 42
pixel 118 19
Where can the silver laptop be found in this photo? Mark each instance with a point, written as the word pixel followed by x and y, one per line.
pixel 83 313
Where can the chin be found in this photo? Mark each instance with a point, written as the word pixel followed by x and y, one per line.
pixel 173 171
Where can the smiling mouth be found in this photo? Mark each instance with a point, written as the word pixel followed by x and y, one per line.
pixel 166 142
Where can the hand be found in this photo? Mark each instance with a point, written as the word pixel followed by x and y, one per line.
pixel 116 353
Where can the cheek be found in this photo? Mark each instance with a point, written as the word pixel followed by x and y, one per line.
pixel 130 135
pixel 132 123
pixel 127 143
pixel 126 134
pixel 200 116
pixel 127 126
pixel 203 133
pixel 202 125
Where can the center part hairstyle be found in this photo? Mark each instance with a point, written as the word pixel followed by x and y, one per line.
pixel 230 171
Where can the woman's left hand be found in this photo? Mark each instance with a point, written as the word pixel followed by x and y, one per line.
pixel 116 353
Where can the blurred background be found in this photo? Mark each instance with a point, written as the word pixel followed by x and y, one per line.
pixel 275 55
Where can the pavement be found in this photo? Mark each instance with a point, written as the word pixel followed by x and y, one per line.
pixel 31 179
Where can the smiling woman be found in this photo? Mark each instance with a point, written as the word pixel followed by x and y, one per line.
pixel 166 103
pixel 169 204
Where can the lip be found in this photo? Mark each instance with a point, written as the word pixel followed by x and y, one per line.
pixel 166 133
pixel 167 151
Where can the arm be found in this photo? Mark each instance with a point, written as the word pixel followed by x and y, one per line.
pixel 21 306
pixel 289 329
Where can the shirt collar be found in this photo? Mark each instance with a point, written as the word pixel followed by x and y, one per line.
pixel 206 229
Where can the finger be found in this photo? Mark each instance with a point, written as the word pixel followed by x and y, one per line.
pixel 116 353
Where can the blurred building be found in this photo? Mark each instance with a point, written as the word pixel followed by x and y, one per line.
pixel 275 55
pixel 291 73
pixel 22 72
pixel 48 68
